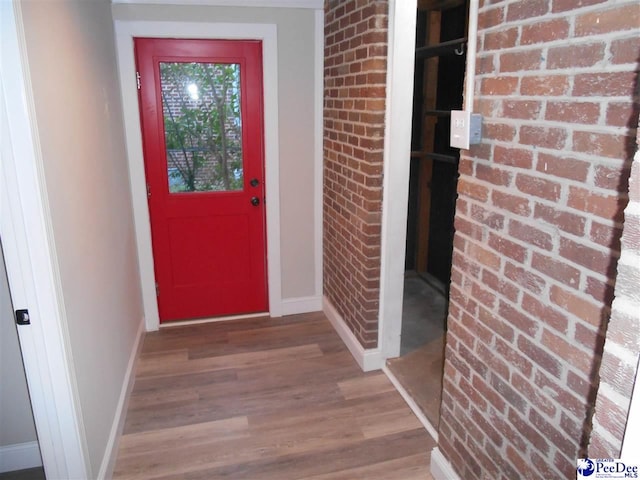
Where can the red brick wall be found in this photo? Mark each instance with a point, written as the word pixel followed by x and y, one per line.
pixel 620 358
pixel 538 225
pixel 354 107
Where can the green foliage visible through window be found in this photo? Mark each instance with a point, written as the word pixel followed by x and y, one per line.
pixel 203 126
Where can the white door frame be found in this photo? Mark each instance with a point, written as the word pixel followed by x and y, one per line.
pixel 126 31
pixel 31 263
pixel 397 156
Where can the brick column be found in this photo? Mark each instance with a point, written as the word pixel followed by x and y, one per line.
pixel 538 225
pixel 354 109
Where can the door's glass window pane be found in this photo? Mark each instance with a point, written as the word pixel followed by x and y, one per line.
pixel 202 126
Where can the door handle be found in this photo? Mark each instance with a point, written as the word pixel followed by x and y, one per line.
pixel 255 201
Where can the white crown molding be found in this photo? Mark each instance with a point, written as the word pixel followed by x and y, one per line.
pixel 313 4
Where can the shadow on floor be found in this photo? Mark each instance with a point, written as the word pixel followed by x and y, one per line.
pixel 419 367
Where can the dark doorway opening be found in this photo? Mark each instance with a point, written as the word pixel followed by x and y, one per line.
pixel 438 89
pixel 439 79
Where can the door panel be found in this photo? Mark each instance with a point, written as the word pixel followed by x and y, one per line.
pixel 201 111
pixel 210 263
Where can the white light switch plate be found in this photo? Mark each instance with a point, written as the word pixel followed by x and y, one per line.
pixel 466 129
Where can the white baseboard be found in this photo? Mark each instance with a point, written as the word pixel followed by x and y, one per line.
pixel 441 469
pixel 368 359
pixel 111 451
pixel 288 306
pixel 294 306
pixel 20 456
pixel 412 404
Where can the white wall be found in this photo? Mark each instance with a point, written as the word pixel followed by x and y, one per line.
pixel 16 419
pixel 71 57
pixel 296 122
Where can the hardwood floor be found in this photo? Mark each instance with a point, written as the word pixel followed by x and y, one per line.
pixel 420 366
pixel 264 399
pixel 420 373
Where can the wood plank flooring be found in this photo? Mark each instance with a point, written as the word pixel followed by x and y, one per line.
pixel 420 373
pixel 265 399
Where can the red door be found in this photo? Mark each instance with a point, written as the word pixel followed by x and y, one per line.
pixel 202 130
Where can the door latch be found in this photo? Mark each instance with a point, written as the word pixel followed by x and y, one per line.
pixel 22 317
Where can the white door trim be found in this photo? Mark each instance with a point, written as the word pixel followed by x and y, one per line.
pixel 314 4
pixel 32 265
pixel 125 32
pixel 397 152
pixel 318 151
